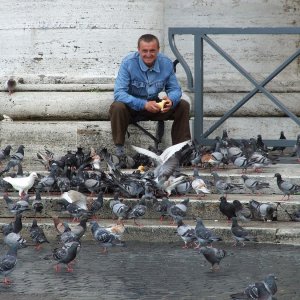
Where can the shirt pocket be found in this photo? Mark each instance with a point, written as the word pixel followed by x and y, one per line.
pixel 159 86
pixel 138 88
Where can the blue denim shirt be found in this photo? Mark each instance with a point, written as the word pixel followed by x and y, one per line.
pixel 136 82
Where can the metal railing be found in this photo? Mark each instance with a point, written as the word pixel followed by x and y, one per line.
pixel 195 83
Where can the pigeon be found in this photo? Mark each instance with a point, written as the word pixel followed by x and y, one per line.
pixel 96 205
pixel 79 229
pixel 223 187
pixel 261 290
pixel 37 235
pixel 259 162
pixel 186 232
pixel 58 224
pixel 138 211
pixel 240 234
pixel 22 184
pixel 262 211
pixel 104 237
pixel 242 213
pixel 286 187
pixel 226 208
pixel 10 85
pixel 15 159
pixel 167 153
pixel 65 255
pixel 199 185
pixel 163 206
pixel 213 256
pixel 8 263
pixel 178 211
pixel 254 185
pixel 68 235
pixel 119 209
pixel 280 148
pixel 47 182
pixel 204 235
pixel 243 163
pixel 15 240
pixel 4 153
pixel 37 204
pixel 16 207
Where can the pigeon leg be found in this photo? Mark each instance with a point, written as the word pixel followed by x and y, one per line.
pixel 38 247
pixel 7 281
pixel 69 268
pixel 215 267
pixel 57 268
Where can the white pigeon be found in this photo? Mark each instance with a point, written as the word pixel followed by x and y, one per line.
pixel 76 198
pixel 22 184
pixel 160 159
pixel 200 187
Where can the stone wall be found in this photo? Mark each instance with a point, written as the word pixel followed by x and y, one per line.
pixel 66 55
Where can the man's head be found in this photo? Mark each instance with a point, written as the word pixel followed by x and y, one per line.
pixel 148 47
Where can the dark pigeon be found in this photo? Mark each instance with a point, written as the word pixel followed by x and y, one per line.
pixel 213 256
pixel 240 234
pixel 226 208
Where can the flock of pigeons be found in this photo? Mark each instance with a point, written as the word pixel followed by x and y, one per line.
pixel 157 175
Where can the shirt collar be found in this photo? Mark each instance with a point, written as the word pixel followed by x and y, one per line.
pixel 145 68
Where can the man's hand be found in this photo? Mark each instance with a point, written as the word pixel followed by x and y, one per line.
pixel 168 104
pixel 152 107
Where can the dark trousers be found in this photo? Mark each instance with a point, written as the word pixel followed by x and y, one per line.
pixel 121 116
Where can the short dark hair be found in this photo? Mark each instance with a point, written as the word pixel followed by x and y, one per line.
pixel 148 38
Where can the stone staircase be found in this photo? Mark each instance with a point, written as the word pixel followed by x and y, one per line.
pixel 281 231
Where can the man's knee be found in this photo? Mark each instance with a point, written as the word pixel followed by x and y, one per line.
pixel 184 105
pixel 117 107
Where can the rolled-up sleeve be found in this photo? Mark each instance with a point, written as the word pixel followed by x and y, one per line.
pixel 122 87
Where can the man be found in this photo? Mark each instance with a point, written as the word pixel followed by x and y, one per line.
pixel 142 76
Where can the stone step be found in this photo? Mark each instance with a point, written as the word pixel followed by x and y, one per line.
pixel 205 208
pixel 156 231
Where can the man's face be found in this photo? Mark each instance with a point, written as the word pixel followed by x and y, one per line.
pixel 148 52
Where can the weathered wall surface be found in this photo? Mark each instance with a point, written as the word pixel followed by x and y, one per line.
pixel 67 54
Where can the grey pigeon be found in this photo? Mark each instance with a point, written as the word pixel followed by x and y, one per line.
pixel 15 159
pixel 65 256
pixel 8 263
pixel 37 235
pixel 47 182
pixel 223 187
pixel 242 212
pixel 68 235
pixel 162 206
pixel 15 240
pixel 17 207
pixel 263 211
pixel 186 232
pixel 254 185
pixel 280 148
pixel 286 187
pixel 243 163
pixel 178 211
pixel 10 85
pixel 4 153
pixel 213 256
pixel 261 290
pixel 138 211
pixel 204 235
pixel 240 234
pixel 104 237
pixel 96 205
pixel 37 204
pixel 119 209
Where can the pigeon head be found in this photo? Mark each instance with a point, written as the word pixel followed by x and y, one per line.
pixel 223 199
pixel 34 223
pixel 278 176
